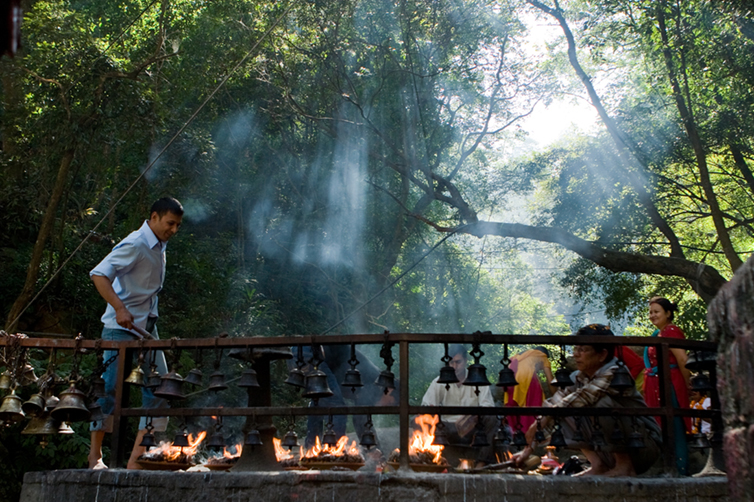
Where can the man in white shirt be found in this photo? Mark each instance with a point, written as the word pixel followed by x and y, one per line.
pixel 129 279
pixel 460 428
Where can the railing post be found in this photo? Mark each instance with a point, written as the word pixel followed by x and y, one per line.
pixel 666 401
pixel 122 395
pixel 403 422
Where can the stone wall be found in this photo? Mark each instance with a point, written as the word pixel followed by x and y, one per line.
pixel 152 486
pixel 731 322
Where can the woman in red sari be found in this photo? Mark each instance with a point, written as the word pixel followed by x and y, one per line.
pixel 661 313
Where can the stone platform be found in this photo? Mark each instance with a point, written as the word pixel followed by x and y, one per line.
pixel 153 486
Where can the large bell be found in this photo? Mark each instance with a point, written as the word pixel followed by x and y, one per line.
pixel 477 376
pixel 352 379
pixel 558 438
pixel 562 378
pixel 316 385
pixel 171 386
pixel 480 436
pixel 447 376
pixel 253 438
pixel 216 441
pixel 194 377
pixel 701 360
pixel 11 410
pixel 386 380
pixel 290 440
pixel 700 442
pixel 136 377
pixel 217 381
pixel 622 378
pixel 636 440
pixel 35 405
pixel 699 383
pixel 296 378
pixel 181 440
pixel 45 424
pixel 5 380
pixel 506 378
pixel 71 407
pixel 248 379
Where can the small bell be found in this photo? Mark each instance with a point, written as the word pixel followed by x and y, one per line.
pixel 248 379
pixel 700 442
pixel 519 439
pixel 316 385
pixel 506 378
pixel 296 378
pixel 636 440
pixel 480 436
pixel 96 412
pixel 71 407
pixel 386 380
pixel 368 438
pixel 148 440
pixel 447 376
pixel 154 379
pixel 5 380
pixel 617 436
pixel 253 438
pixel 194 377
pixel 181 440
pixel 170 387
pixel 329 437
pixel 558 438
pixel 34 406
pixel 98 388
pixel 502 436
pixel 598 437
pixel 51 402
pixel 216 441
pixel 622 378
pixel 352 379
pixel 217 381
pixel 562 378
pixel 701 383
pixel 11 410
pixel 578 434
pixel 290 440
pixel 441 437
pixel 701 360
pixel 136 377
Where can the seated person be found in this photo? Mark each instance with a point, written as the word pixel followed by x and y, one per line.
pixel 460 429
pixel 595 366
pixel 699 401
pixel 529 391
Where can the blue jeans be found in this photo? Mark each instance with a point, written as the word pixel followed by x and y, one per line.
pixel 148 399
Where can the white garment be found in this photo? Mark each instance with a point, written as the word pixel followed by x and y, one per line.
pixel 456 395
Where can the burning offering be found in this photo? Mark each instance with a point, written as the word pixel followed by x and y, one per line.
pixel 422 454
pixel 329 456
pixel 226 461
pixel 285 458
pixel 167 457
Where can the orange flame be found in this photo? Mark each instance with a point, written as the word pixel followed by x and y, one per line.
pixel 422 441
pixel 280 452
pixel 238 450
pixel 172 453
pixel 340 449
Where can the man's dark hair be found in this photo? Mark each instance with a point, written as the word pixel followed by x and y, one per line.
pixel 457 348
pixel 601 330
pixel 166 205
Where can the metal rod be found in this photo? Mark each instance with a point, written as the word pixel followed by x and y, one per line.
pixel 404 407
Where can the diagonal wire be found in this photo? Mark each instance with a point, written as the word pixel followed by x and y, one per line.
pixel 219 86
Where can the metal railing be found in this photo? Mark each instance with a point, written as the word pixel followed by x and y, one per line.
pixel 404 409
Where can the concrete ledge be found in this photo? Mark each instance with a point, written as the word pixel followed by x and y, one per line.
pixel 154 486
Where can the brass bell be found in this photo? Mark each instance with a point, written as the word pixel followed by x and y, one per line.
pixel 253 438
pixel 194 377
pixel 701 360
pixel 216 441
pixel 98 388
pixel 71 407
pixel 386 380
pixel 296 378
pixel 5 380
pixel 45 424
pixel 352 379
pixel 562 378
pixel 96 410
pixel 217 381
pixel 701 383
pixel 622 378
pixel 51 402
pixel 636 440
pixel 154 379
pixel 27 375
pixel 368 438
pixel 477 376
pixel 447 376
pixel 11 410
pixel 35 405
pixel 171 386
pixel 136 377
pixel 558 438
pixel 316 385
pixel 329 437
pixel 248 379
pixel 290 440
pixel 700 442
pixel 181 440
pixel 480 436
pixel 506 378
pixel 148 440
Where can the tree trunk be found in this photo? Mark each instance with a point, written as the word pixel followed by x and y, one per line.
pixel 738 157
pixel 32 273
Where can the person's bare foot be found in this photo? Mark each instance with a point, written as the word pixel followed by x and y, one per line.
pixel 97 465
pixel 616 472
pixel 623 466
